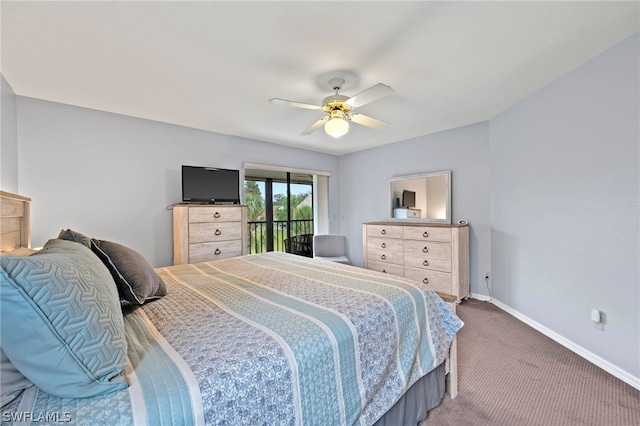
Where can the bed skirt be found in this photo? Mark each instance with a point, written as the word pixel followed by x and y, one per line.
pixel 424 395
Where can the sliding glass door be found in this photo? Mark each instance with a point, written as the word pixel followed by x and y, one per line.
pixel 280 211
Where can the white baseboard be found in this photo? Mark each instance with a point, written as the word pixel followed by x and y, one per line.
pixel 481 297
pixel 579 350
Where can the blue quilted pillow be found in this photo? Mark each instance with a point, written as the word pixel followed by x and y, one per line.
pixel 13 382
pixel 61 321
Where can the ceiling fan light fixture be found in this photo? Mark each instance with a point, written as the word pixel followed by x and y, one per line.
pixel 336 126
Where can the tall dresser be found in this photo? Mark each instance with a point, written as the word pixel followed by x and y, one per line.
pixel 207 232
pixel 436 254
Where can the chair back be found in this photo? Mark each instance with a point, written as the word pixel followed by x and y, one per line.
pixel 301 244
pixel 330 245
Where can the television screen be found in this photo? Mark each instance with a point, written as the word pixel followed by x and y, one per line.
pixel 211 185
pixel 408 198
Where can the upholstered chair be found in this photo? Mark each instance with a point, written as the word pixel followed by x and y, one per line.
pixel 331 247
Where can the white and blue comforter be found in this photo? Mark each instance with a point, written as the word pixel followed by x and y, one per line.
pixel 270 339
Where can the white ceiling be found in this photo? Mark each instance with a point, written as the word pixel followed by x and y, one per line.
pixel 214 65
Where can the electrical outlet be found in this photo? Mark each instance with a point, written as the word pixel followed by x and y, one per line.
pixel 599 318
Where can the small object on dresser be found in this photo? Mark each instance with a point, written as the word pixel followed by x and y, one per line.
pixel 406 213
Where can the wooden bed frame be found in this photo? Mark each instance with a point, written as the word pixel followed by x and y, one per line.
pixel 15 225
pixel 15 233
pixel 452 360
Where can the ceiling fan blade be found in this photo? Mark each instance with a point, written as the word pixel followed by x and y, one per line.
pixel 294 104
pixel 373 93
pixel 365 120
pixel 315 126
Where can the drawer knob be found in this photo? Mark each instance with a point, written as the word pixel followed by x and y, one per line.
pixel 425 249
pixel 383 232
pixel 216 215
pixel 383 257
pixel 218 232
pixel 217 252
pixel 426 280
pixel 425 234
pixel 425 263
pixel 384 271
pixel 383 245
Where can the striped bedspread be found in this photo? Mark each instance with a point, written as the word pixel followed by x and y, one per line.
pixel 270 339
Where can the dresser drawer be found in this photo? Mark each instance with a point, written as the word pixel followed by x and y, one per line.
pixel 204 252
pixel 212 231
pixel 385 245
pixel 438 281
pixel 380 255
pixel 427 233
pixel 427 254
pixel 384 231
pixel 385 250
pixel 388 268
pixel 209 214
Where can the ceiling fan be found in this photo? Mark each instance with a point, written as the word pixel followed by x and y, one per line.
pixel 340 109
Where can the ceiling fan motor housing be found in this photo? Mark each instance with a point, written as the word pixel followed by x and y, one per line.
pixel 335 102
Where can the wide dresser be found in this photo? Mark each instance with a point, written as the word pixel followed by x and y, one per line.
pixel 435 254
pixel 207 232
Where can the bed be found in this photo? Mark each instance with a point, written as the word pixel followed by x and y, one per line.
pixel 254 340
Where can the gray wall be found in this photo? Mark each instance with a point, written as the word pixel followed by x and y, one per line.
pixel 8 138
pixel 364 186
pixel 112 177
pixel 564 205
pixel 550 188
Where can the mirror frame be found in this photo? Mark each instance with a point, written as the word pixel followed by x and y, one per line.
pixel 447 176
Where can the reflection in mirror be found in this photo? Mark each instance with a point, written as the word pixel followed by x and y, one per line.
pixel 423 197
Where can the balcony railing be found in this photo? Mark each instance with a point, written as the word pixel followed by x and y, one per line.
pixel 258 234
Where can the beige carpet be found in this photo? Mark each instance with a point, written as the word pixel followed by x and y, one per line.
pixel 510 374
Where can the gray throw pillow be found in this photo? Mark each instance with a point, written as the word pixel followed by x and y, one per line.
pixel 70 235
pixel 136 280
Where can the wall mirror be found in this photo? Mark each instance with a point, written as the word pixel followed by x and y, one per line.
pixel 424 197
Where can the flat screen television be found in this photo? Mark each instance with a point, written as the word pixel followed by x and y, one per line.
pixel 210 185
pixel 408 198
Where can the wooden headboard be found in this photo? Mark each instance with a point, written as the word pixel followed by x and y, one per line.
pixel 15 229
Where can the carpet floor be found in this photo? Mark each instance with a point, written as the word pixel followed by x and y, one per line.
pixel 510 374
